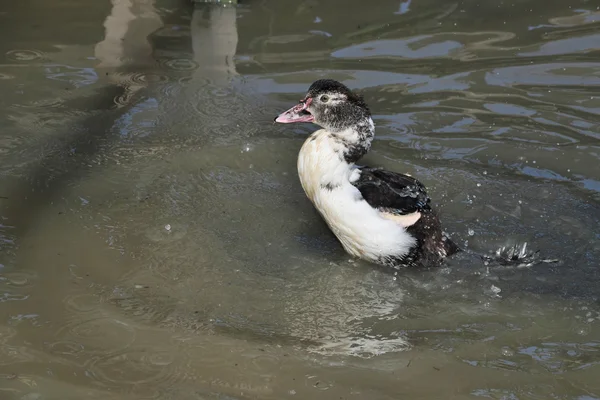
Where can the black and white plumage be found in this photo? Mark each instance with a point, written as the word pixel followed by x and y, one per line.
pixel 377 215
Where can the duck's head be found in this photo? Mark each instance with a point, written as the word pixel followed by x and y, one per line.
pixel 331 105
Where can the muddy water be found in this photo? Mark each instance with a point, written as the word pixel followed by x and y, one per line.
pixel 155 242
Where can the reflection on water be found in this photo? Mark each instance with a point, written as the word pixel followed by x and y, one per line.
pixel 155 241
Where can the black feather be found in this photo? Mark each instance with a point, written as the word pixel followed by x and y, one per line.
pixel 392 192
pixel 333 86
pixel 401 194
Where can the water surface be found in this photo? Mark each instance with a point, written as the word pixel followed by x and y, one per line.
pixel 155 242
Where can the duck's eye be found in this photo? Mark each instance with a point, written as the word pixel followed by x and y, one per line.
pixel 324 98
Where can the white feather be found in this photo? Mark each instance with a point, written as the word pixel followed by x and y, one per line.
pixel 326 178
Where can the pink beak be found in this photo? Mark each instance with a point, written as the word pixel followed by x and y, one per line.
pixel 298 113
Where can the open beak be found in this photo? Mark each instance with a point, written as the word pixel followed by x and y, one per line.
pixel 298 113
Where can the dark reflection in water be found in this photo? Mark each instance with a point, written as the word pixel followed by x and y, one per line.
pixel 156 242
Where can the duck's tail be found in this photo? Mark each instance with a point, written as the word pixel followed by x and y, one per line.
pixel 435 245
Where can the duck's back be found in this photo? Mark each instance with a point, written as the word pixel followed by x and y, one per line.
pixel 402 196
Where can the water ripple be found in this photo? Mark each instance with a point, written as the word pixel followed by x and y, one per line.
pixel 96 335
pixel 179 64
pixel 139 78
pixel 21 279
pixel 139 366
pixel 64 348
pixel 173 31
pixel 82 303
pixel 41 103
pixel 25 55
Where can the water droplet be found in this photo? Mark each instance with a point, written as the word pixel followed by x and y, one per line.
pixel 507 352
pixel 583 331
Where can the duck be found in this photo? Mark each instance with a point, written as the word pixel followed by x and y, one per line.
pixel 379 216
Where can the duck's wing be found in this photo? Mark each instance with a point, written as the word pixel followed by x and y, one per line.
pixel 391 192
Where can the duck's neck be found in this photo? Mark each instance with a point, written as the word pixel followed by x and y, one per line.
pixel 354 142
pixel 326 160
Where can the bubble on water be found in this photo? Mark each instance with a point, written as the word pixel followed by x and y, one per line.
pixel 471 232
pixel 479 185
pixel 166 233
pixel 485 172
pixel 495 289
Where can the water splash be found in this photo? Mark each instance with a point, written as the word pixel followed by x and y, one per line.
pixel 517 256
